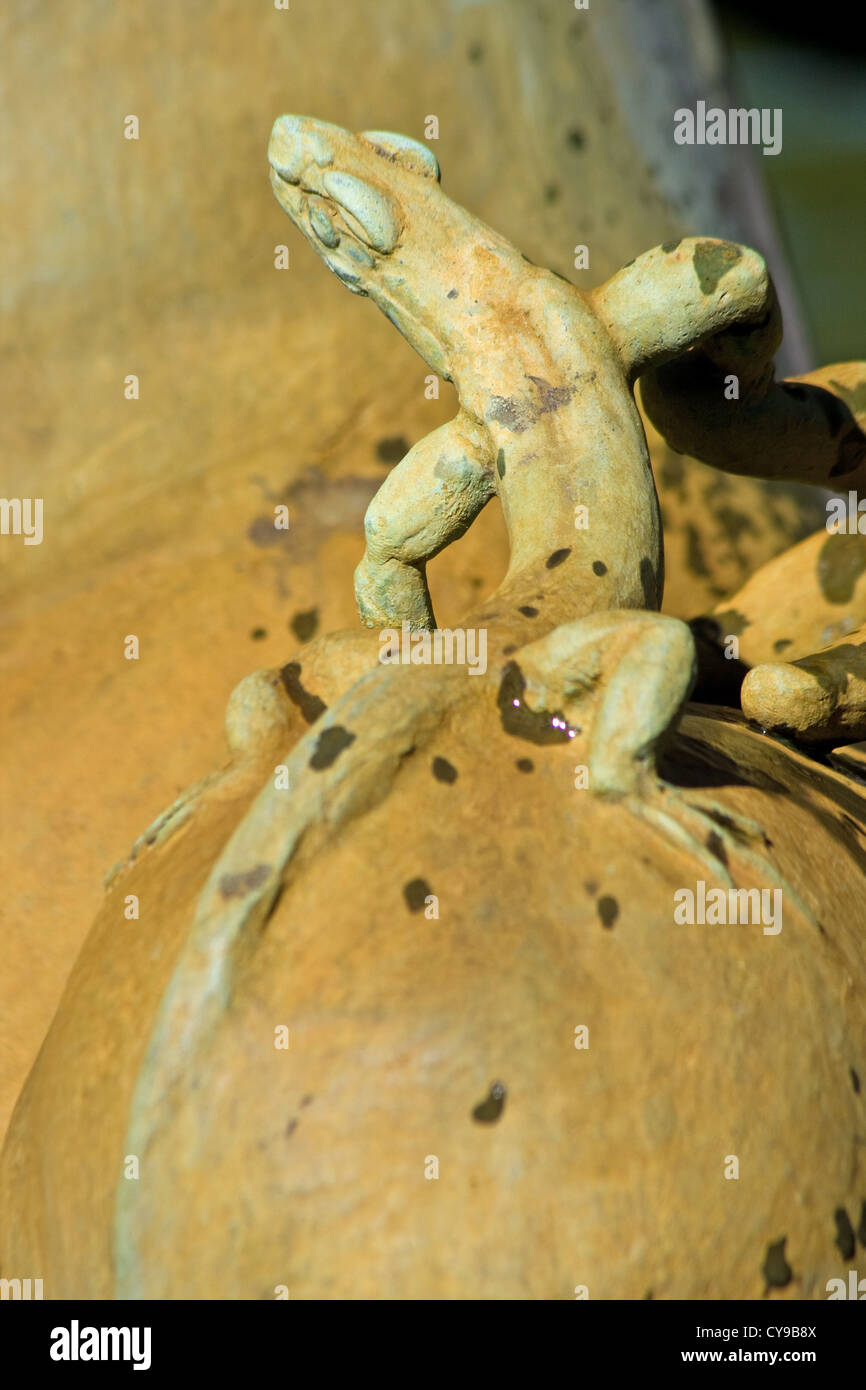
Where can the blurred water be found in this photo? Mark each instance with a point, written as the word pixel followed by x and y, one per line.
pixel 818 181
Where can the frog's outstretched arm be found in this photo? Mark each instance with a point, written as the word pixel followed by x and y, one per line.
pixel 681 294
pixel 717 298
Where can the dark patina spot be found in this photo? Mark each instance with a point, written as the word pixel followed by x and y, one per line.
pixel 716 846
pixel 551 398
pixel 731 623
pixel 841 562
pixel 844 1233
pixel 452 294
pixel 599 567
pixel 735 523
pixel 329 745
pixel 262 532
pixel 695 559
pixel 576 139
pixel 444 771
pixel 649 583
pixel 258 633
pixel 238 885
pixel 311 706
pixel 528 611
pixel 416 892
pixel 776 1269
pixel 500 463
pixel 305 625
pixel 525 765
pixel 536 726
pixel 673 471
pixel 712 260
pixel 490 1109
pixel 557 558
pixel 392 448
pixel 855 1080
pixel 516 415
pixel 669 246
pixel 608 910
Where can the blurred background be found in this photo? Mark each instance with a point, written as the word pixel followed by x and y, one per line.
pixel 815 71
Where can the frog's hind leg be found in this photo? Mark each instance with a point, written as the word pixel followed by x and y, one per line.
pixel 630 673
pixel 430 498
pixel 634 670
pixel 638 668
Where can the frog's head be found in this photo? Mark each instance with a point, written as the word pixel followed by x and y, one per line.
pixel 372 208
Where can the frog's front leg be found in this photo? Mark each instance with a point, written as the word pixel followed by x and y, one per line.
pixel 430 498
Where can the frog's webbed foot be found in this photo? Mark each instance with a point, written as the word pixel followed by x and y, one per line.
pixel 692 830
pixel 429 500
pixel 165 824
pixel 719 838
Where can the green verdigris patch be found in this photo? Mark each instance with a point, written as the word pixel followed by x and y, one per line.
pixel 712 261
pixel 841 562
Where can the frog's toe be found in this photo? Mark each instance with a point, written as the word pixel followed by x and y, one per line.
pixel 691 831
pixel 817 697
pixel 720 837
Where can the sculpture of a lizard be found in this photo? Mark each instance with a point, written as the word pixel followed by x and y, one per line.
pixel 547 422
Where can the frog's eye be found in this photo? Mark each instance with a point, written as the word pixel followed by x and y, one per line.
pixel 323 226
pixel 374 213
pixel 410 153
